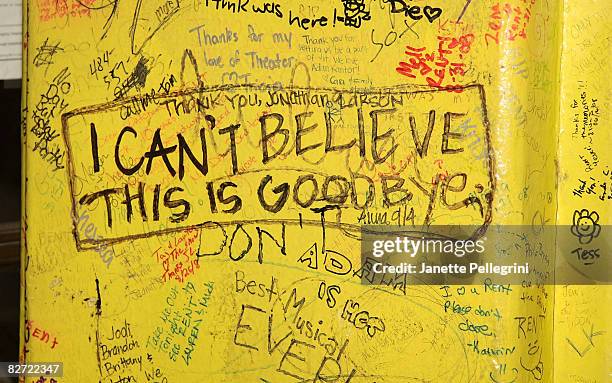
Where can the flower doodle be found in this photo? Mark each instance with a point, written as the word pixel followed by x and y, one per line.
pixel 585 226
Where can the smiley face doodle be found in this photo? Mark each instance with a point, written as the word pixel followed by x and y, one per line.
pixel 585 226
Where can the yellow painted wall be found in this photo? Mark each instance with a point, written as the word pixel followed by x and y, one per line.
pixel 245 267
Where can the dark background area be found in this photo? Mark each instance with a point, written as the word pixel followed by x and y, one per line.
pixel 10 206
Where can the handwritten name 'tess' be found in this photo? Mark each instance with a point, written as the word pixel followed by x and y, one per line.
pixel 414 12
